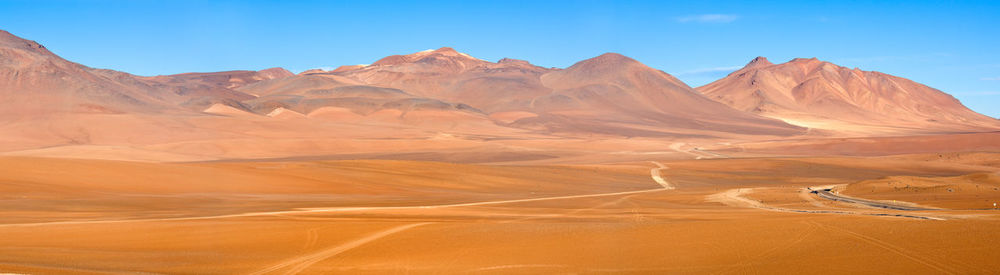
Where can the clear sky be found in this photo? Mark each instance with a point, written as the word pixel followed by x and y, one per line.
pixel 950 45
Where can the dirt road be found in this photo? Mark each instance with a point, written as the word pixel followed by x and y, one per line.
pixel 735 197
pixel 828 194
pixel 654 174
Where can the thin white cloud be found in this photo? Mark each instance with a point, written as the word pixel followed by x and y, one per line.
pixel 708 18
pixel 991 78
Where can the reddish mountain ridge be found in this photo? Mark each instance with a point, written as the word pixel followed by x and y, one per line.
pixel 201 90
pixel 430 101
pixel 449 75
pixel 620 94
pixel 33 80
pixel 609 94
pixel 818 94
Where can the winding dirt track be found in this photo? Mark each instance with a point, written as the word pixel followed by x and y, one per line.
pixel 677 147
pixel 658 178
pixel 827 194
pixel 654 174
pixel 734 197
pixel 300 263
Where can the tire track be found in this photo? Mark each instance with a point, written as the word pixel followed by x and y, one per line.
pixel 770 252
pixel 830 195
pixel 734 197
pixel 891 248
pixel 312 236
pixel 298 264
pixel 658 178
pixel 654 174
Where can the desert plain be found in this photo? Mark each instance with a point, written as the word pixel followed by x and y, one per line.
pixel 726 212
pixel 438 162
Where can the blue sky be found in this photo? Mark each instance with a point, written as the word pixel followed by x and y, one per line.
pixel 952 46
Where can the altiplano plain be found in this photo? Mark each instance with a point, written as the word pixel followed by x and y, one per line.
pixel 440 162
pixel 381 216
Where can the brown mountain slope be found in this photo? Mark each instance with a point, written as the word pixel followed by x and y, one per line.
pixel 33 81
pixel 446 74
pixel 425 73
pixel 65 109
pixel 49 102
pixel 819 94
pixel 509 85
pixel 308 93
pixel 609 94
pixel 203 89
pixel 612 90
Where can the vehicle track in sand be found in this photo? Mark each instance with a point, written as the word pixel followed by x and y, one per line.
pixel 677 147
pixel 300 263
pixel 658 178
pixel 297 264
pixel 827 193
pixel 654 174
pixel 763 256
pixel 926 261
pixel 695 152
pixel 734 197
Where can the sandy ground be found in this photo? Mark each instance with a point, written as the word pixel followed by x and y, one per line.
pixel 707 215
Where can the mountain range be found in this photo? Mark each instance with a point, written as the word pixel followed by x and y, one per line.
pixel 49 102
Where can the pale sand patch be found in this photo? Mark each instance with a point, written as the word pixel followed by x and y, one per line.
pixel 226 110
pixel 281 112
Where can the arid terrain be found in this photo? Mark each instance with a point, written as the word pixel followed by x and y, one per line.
pixel 440 162
pixel 672 214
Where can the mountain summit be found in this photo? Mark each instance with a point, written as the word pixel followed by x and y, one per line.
pixel 818 94
pixel 442 56
pixel 759 61
pixel 616 93
pixel 33 80
pixel 610 94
